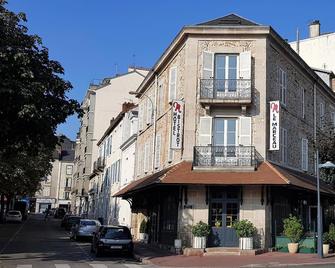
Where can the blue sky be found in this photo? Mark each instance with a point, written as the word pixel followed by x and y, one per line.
pixel 89 38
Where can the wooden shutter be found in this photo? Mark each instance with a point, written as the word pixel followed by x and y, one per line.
pixel 158 151
pixel 207 65
pixel 149 111
pixel 245 131
pixel 173 83
pixel 245 65
pixel 205 131
pixel 304 154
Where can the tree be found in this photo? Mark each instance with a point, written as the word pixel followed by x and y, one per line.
pixel 33 102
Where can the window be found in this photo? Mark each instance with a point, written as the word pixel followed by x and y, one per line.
pixel 160 99
pixel 322 114
pixel 68 182
pixel 173 83
pixel 225 73
pixel 69 170
pixel 304 154
pixel 146 156
pixel 67 195
pixel 332 118
pixel 149 110
pixel 282 86
pixel 158 151
pixel 302 102
pixel 283 145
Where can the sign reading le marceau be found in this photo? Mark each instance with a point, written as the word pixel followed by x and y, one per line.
pixel 177 124
pixel 274 125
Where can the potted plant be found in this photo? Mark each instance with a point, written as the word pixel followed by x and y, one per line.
pixel 143 231
pixel 200 232
pixel 294 230
pixel 217 223
pixel 331 234
pixel 326 241
pixel 245 230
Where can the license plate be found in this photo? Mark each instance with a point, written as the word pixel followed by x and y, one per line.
pixel 116 247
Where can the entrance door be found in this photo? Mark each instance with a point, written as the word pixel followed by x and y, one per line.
pixel 224 210
pixel 225 74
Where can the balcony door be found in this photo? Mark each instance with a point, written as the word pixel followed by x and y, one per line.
pixel 225 140
pixel 225 74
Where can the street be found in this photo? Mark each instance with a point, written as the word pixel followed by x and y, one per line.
pixel 36 243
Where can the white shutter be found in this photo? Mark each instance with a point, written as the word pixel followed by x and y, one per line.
pixel 205 131
pixel 141 116
pixel 245 65
pixel 160 98
pixel 207 64
pixel 146 157
pixel 172 83
pixel 245 131
pixel 158 151
pixel 304 154
pixel 149 111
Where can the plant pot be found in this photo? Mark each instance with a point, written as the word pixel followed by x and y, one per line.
pixel 325 248
pixel 293 247
pixel 246 243
pixel 199 242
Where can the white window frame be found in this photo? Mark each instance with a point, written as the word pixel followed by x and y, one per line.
pixel 69 170
pixel 304 154
pixel 282 81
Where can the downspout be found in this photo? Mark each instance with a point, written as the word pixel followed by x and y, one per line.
pixel 314 123
pixel 154 118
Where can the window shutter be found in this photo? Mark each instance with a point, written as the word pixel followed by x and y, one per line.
pixel 140 116
pixel 160 98
pixel 173 83
pixel 205 131
pixel 245 131
pixel 207 65
pixel 304 154
pixel 245 65
pixel 149 111
pixel 158 151
pixel 146 157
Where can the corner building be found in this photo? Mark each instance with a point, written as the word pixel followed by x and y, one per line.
pixel 226 72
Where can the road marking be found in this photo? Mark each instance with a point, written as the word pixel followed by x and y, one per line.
pixel 62 266
pixel 98 265
pixel 24 266
pixel 12 238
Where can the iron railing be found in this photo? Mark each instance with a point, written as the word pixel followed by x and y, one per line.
pixel 226 156
pixel 225 89
pixel 99 164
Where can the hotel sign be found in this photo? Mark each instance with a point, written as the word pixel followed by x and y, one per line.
pixel 274 125
pixel 177 124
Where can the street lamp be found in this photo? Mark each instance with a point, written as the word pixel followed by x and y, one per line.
pixel 152 103
pixel 328 164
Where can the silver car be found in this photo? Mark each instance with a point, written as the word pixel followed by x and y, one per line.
pixel 85 228
pixel 14 216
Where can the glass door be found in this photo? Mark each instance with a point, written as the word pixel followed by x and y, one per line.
pixel 225 74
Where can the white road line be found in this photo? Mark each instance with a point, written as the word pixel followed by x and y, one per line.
pixel 129 265
pixel 98 265
pixel 24 266
pixel 62 266
pixel 13 236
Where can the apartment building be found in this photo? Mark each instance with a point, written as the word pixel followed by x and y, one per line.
pixel 235 114
pixel 56 188
pixel 114 168
pixel 101 103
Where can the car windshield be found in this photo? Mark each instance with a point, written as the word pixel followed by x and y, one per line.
pixel 116 233
pixel 88 223
pixel 14 213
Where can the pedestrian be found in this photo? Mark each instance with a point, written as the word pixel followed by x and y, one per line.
pixel 46 214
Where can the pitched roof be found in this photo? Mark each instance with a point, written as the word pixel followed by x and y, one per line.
pixel 266 174
pixel 229 20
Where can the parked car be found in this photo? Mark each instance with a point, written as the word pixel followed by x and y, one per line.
pixel 112 239
pixel 85 228
pixel 59 213
pixel 71 220
pixel 14 216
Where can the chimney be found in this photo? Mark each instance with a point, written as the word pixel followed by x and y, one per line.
pixel 314 29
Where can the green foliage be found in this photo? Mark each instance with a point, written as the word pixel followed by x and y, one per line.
pixel 33 102
pixel 201 229
pixel 326 238
pixel 244 228
pixel 144 227
pixel 293 228
pixel 331 233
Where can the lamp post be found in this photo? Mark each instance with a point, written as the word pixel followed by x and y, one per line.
pixel 328 164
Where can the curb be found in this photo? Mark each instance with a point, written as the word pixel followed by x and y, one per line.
pixel 143 260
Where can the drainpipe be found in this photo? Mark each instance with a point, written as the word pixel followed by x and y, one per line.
pixel 154 126
pixel 314 121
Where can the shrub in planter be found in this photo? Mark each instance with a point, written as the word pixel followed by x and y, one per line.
pixel 143 231
pixel 331 234
pixel 245 230
pixel 326 241
pixel 294 230
pixel 200 231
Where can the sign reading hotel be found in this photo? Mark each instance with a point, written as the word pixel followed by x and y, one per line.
pixel 177 124
pixel 274 125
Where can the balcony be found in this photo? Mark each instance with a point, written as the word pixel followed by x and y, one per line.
pixel 67 189
pixel 228 158
pixel 99 164
pixel 225 91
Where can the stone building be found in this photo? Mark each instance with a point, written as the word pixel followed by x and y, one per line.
pixel 100 104
pixel 56 188
pixel 114 168
pixel 207 153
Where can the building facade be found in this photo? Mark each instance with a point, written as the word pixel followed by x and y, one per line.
pixel 114 168
pixel 56 188
pixel 100 104
pixel 207 153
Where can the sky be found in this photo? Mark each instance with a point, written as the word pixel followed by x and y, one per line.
pixel 97 39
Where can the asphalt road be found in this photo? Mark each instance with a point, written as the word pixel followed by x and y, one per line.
pixel 39 244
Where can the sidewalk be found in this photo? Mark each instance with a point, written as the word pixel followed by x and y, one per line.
pixel 162 258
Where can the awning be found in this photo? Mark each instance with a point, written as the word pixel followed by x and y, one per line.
pixel 183 174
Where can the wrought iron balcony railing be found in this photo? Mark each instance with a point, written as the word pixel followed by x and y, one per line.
pixel 226 89
pixel 226 156
pixel 67 189
pixel 99 164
